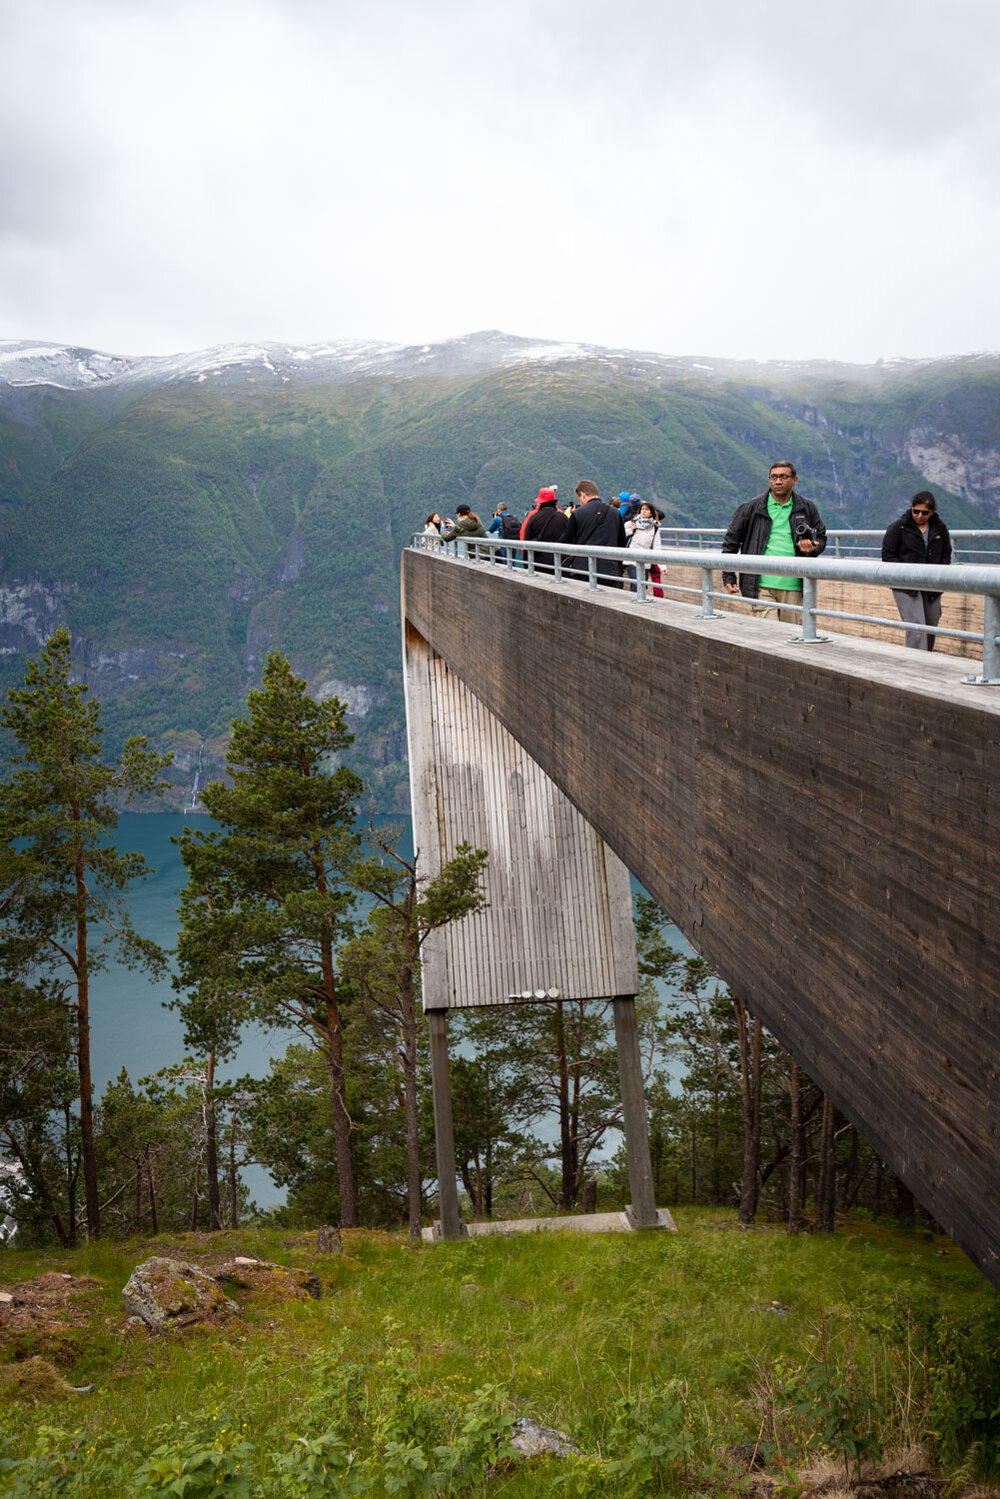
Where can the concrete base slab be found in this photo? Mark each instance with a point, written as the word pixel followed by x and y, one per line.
pixel 663 1219
pixel 434 1235
pixel 580 1223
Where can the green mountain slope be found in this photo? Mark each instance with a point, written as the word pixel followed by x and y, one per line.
pixel 183 526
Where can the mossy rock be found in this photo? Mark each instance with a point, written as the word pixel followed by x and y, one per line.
pixel 277 1282
pixel 167 1293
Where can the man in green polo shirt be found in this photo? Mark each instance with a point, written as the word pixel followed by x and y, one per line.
pixel 780 523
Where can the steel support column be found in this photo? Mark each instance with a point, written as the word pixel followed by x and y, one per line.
pixel 642 1209
pixel 452 1226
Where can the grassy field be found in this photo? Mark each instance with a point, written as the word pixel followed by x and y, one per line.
pixel 655 1353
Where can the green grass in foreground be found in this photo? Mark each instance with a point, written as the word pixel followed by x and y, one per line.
pixel 653 1352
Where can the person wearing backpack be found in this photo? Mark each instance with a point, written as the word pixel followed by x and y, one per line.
pixel 506 525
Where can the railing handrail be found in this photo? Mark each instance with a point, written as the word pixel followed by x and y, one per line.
pixel 960 577
pixel 839 533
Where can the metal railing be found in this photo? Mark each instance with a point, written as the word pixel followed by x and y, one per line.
pixel 564 563
pixel 970 546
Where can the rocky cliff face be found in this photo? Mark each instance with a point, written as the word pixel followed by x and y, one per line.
pixel 956 464
pixel 30 611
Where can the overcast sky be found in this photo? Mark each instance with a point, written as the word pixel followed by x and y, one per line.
pixel 752 178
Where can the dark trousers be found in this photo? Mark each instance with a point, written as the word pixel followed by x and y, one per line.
pixel 918 609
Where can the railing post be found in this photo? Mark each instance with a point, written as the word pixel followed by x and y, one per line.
pixel 707 604
pixel 592 574
pixel 557 566
pixel 640 582
pixel 462 546
pixel 991 648
pixel 809 635
pixel 531 564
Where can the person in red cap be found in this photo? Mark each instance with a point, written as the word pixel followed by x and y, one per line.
pixel 546 522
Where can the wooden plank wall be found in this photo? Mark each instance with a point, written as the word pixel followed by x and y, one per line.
pixel 559 902
pixel 823 824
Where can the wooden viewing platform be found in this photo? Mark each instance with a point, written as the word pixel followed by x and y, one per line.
pixel 824 828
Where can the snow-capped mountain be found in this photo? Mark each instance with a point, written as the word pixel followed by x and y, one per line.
pixel 25 363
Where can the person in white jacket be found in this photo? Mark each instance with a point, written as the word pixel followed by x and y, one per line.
pixel 644 534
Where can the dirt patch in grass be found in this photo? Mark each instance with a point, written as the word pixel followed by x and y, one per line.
pixel 52 1317
pixel 54 1301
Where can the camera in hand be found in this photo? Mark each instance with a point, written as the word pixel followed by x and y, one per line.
pixel 802 530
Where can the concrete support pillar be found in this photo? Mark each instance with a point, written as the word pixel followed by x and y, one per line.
pixel 451 1225
pixel 642 1209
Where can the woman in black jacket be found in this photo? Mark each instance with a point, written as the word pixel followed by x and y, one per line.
pixel 918 536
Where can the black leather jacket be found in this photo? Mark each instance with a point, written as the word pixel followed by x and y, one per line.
pixel 750 529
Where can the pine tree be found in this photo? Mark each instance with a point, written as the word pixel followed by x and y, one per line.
pixel 62 880
pixel 383 961
pixel 268 900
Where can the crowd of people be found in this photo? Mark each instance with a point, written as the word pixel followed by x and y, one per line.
pixel 780 523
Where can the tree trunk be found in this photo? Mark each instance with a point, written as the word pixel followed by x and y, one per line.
pixel 693 1117
pixel 904 1205
pixel 856 1189
pixel 825 1185
pixel 72 1172
pixel 91 1200
pixel 338 1081
pixel 716 1145
pixel 34 1174
pixel 153 1215
pixel 234 1205
pixel 414 1176
pixel 194 1200
pixel 211 1147
pixel 846 1195
pixel 565 1140
pixel 795 1152
pixel 341 1118
pixel 750 1098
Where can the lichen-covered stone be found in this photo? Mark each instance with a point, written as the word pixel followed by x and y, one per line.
pixel 169 1293
pixel 265 1278
pixel 532 1440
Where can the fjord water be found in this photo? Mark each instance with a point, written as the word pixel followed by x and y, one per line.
pixel 130 1024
